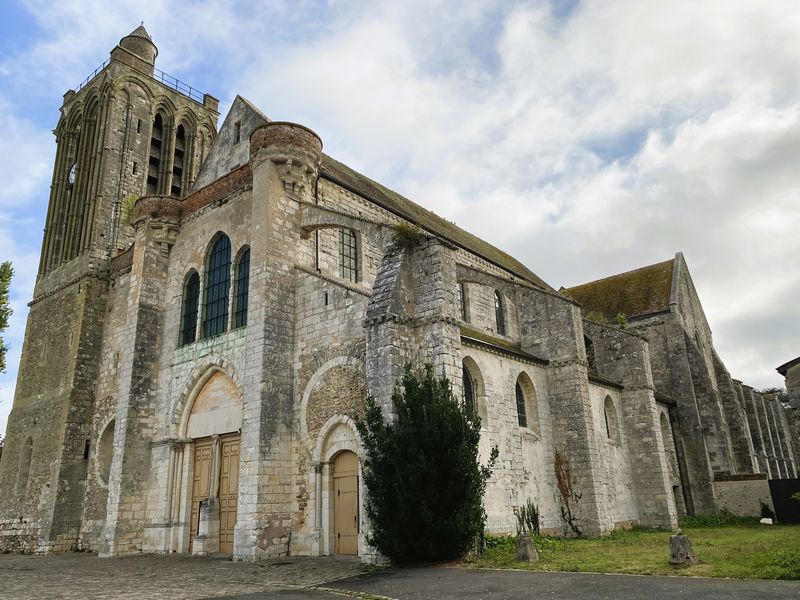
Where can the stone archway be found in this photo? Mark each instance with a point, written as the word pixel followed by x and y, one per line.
pixel 211 424
pixel 339 472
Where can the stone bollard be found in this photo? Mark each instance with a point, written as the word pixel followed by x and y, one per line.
pixel 525 550
pixel 680 550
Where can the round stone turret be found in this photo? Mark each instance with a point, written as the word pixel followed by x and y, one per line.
pixel 156 207
pixel 294 149
pixel 140 43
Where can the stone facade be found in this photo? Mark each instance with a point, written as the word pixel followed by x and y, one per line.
pixel 240 312
pixel 791 371
pixel 721 427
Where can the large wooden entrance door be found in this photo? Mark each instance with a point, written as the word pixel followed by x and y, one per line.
pixel 228 492
pixel 217 476
pixel 345 503
pixel 201 479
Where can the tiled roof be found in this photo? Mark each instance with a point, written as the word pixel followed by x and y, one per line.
pixel 425 219
pixel 635 293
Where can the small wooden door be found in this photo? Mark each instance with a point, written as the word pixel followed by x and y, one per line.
pixel 228 492
pixel 345 503
pixel 201 479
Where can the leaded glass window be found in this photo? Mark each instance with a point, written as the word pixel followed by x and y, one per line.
pixel 191 298
pixel 242 288
pixel 499 313
pixel 522 417
pixel 217 288
pixel 348 254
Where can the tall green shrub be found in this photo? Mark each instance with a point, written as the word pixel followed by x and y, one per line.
pixel 424 486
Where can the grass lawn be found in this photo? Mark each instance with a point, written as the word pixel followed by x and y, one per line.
pixel 742 551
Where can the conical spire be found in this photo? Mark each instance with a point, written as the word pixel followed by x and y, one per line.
pixel 140 31
pixel 140 43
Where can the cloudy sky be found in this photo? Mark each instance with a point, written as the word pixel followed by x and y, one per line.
pixel 585 137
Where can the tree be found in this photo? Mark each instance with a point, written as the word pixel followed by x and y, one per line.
pixel 424 486
pixel 5 308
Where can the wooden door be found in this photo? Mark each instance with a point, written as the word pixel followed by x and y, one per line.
pixel 201 479
pixel 228 492
pixel 345 503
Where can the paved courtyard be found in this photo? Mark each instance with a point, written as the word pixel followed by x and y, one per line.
pixel 174 577
pixel 84 576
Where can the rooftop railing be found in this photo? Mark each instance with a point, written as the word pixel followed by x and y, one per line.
pixel 160 76
pixel 93 74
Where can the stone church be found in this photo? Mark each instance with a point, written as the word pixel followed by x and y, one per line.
pixel 214 305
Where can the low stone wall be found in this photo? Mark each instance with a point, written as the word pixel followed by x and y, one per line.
pixel 742 495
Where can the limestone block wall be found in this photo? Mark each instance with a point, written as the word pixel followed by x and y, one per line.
pixel 624 357
pixel 48 437
pixel 743 495
pixel 615 458
pixel 113 346
pixel 735 417
pixel 525 465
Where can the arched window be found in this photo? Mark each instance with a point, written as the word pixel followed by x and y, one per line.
pixel 191 297
pixel 468 388
pixel 24 467
pixel 177 161
pixel 527 403
pixel 217 288
pixel 156 149
pixel 522 416
pixel 348 254
pixel 462 302
pixel 610 413
pixel 242 288
pixel 499 313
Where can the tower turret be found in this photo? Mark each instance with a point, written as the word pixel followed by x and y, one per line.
pixel 137 50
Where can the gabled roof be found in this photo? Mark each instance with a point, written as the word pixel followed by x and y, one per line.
pixel 223 158
pixel 634 293
pixel 343 175
pixel 786 366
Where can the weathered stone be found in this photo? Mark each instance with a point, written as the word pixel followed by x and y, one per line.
pixel 525 551
pixel 123 378
pixel 681 553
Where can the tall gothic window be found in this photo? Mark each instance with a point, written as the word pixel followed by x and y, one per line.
pixel 177 162
pixel 242 288
pixel 468 388
pixel 499 313
pixel 348 254
pixel 522 417
pixel 156 150
pixel 191 298
pixel 217 288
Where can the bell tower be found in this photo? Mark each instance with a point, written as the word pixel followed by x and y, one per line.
pixel 126 130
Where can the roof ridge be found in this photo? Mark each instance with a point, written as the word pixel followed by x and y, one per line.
pixel 623 274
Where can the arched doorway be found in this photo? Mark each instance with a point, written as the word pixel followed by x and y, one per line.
pixel 345 502
pixel 214 425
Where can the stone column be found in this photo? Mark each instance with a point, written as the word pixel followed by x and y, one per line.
pixel 284 159
pixel 157 221
pixel 625 357
pixel 552 326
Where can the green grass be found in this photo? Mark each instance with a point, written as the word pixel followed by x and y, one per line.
pixel 745 550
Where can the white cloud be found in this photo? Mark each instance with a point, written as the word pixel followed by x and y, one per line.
pixel 586 144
